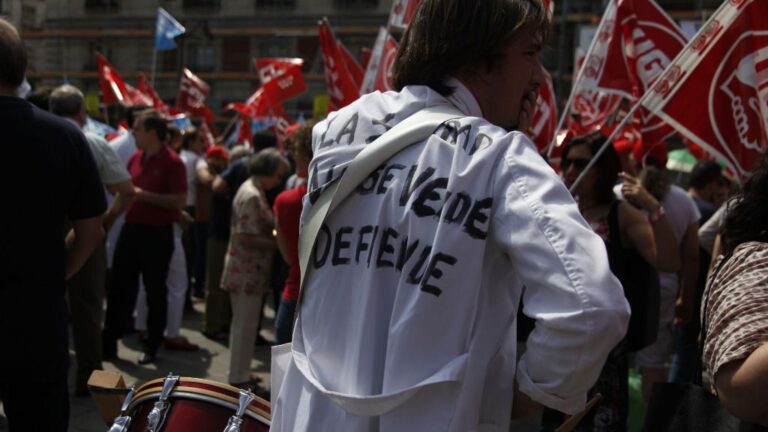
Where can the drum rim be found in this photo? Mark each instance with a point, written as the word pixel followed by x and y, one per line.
pixel 213 398
pixel 145 391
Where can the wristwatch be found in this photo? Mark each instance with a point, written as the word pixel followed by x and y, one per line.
pixel 654 216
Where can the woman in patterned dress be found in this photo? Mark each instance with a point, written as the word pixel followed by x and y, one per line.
pixel 249 255
pixel 735 312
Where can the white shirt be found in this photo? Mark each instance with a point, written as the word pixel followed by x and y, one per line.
pixel 111 169
pixel 124 146
pixel 409 314
pixel 191 162
pixel 680 211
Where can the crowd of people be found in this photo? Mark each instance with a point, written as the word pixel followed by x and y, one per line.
pixel 418 280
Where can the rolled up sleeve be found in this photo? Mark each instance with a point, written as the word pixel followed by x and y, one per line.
pixel 577 303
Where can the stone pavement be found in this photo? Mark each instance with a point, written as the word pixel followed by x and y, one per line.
pixel 211 362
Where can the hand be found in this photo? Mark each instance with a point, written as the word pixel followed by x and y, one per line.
pixel 185 220
pixel 636 194
pixel 523 406
pixel 526 111
pixel 683 311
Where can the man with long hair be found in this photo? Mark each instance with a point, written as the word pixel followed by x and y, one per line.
pixel 407 319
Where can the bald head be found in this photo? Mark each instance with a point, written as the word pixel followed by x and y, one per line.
pixel 13 57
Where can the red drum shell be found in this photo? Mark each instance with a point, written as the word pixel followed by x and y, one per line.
pixel 197 405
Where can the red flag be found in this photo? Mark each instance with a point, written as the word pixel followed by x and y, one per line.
pixel 402 12
pixel 137 97
pixel 341 86
pixel 113 88
pixel 192 93
pixel 258 105
pixel 245 133
pixel 635 43
pixel 544 121
pixel 281 78
pixel 716 92
pixel 146 88
pixel 591 109
pixel 353 66
pixel 378 75
pixel 365 57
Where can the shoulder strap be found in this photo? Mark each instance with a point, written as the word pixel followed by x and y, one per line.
pixel 409 131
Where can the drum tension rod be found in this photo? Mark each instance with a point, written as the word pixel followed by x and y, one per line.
pixel 156 417
pixel 123 421
pixel 236 421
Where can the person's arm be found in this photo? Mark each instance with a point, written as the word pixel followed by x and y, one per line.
pixel 169 201
pixel 635 226
pixel 220 185
pixel 742 386
pixel 689 274
pixel 717 247
pixel 282 243
pixel 85 236
pixel 577 304
pixel 667 254
pixel 124 193
pixel 204 175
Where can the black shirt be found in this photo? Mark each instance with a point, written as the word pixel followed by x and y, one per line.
pixel 48 176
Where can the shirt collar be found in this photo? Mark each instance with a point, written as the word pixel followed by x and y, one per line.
pixel 463 99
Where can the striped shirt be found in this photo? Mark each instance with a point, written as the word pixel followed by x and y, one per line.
pixel 736 307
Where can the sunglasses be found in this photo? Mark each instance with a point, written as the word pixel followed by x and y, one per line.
pixel 578 163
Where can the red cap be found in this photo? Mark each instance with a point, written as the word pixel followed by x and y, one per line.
pixel 217 152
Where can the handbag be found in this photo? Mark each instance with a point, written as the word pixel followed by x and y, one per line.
pixel 686 407
pixel 641 286
pixel 413 129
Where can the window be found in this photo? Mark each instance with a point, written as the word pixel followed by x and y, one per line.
pixel 274 4
pixel 102 5
pixel 201 58
pixel 202 4
pixel 235 54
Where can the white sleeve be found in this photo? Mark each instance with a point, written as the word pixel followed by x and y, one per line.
pixel 578 305
pixel 711 229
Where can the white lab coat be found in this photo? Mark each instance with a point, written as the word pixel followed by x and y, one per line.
pixel 409 317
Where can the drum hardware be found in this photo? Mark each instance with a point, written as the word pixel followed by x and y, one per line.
pixel 236 421
pixel 123 421
pixel 156 417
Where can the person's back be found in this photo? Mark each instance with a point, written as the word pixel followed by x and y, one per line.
pixel 50 176
pixel 408 314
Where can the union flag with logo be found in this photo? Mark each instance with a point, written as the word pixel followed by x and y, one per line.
pixel 378 74
pixel 634 44
pixel 281 78
pixel 113 89
pixel 342 89
pixel 192 93
pixel 544 121
pixel 715 94
pixel 146 88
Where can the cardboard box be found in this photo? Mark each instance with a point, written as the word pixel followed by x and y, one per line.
pixel 108 391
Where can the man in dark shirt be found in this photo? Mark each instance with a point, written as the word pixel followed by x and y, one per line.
pixel 59 182
pixel 145 244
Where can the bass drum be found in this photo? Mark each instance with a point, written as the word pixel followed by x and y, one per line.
pixel 193 404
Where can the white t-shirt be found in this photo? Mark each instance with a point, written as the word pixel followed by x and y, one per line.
pixel 681 212
pixel 409 313
pixel 124 146
pixel 191 162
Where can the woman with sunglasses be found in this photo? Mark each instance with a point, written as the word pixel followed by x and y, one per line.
pixel 598 204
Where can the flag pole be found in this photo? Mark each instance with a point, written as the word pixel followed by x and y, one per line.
pixel 576 85
pixel 636 106
pixel 154 66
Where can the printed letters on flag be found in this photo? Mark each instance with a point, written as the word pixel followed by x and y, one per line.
pixel 378 75
pixel 724 70
pixel 402 12
pixel 544 121
pixel 341 86
pixel 281 78
pixel 113 88
pixel 635 42
pixel 192 93
pixel 591 108
pixel 166 28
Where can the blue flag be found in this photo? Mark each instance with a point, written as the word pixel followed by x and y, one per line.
pixel 166 29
